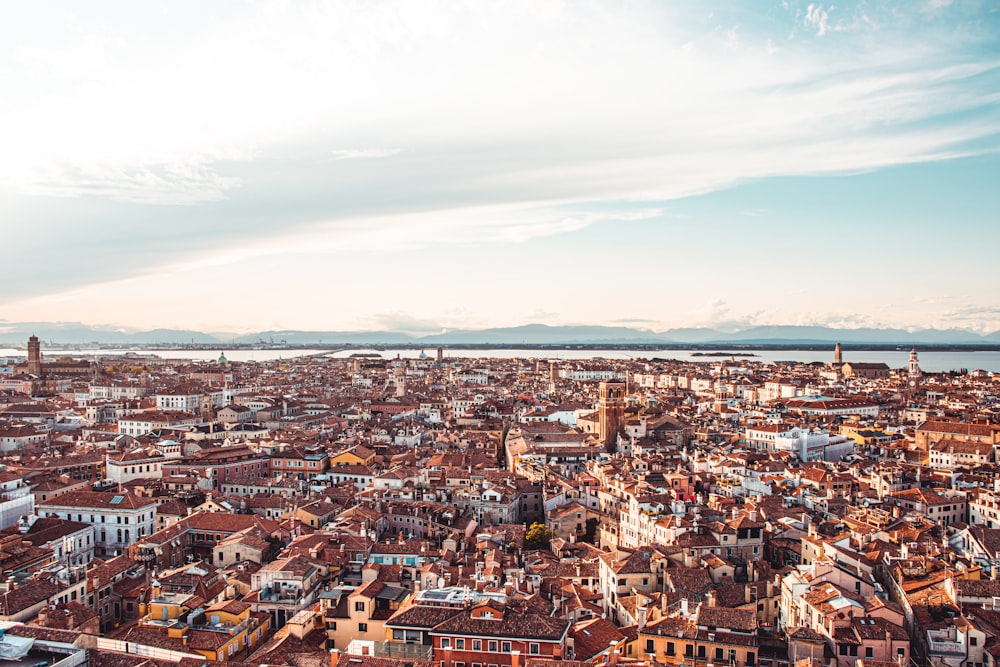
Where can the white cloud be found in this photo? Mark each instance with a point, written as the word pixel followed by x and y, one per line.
pixel 160 184
pixel 106 116
pixel 514 121
pixel 364 153
pixel 718 314
pixel 733 38
pixel 818 18
pixel 412 231
pixel 402 322
pixel 974 317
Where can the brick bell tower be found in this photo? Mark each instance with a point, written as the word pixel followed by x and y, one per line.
pixel 611 412
pixel 34 356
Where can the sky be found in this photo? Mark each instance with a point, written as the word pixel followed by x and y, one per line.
pixel 420 165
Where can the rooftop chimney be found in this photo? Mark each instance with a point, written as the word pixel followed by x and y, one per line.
pixel 613 653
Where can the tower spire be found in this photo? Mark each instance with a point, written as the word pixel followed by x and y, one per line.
pixel 912 375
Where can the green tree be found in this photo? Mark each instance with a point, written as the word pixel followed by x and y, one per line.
pixel 539 536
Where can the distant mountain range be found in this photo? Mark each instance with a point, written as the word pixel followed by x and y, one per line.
pixel 72 333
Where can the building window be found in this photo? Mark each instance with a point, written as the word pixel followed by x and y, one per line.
pixel 445 642
pixel 477 645
pixel 505 647
pixel 650 648
pixel 362 627
pixel 869 652
pixel 460 644
pixel 359 605
pixel 718 654
pixel 670 648
pixel 533 648
pixel 492 646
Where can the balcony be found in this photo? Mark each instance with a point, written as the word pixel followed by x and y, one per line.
pixel 403 651
pixel 946 648
pixel 702 661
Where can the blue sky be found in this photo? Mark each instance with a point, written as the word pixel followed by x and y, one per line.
pixel 431 165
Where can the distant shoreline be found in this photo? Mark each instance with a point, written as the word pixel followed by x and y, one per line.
pixel 723 354
pixel 700 349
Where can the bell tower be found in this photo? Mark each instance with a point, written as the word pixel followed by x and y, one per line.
pixel 399 379
pixel 207 409
pixel 34 356
pixel 913 369
pixel 610 412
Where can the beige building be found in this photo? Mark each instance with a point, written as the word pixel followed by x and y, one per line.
pixel 931 432
pixel 569 522
pixel 950 453
pixel 361 613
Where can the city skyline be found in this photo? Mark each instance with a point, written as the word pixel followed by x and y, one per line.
pixel 398 166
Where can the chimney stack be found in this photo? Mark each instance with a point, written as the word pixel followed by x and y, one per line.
pixel 613 653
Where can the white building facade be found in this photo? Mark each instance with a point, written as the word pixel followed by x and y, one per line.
pixel 119 519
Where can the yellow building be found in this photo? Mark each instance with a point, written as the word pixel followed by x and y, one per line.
pixel 864 435
pixel 225 631
pixel 720 635
pixel 354 456
pixel 361 613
